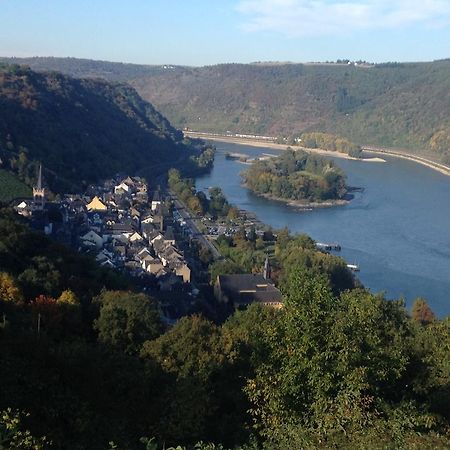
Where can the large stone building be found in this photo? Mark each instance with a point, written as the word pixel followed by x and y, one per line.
pixel 240 290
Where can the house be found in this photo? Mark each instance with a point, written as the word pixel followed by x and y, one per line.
pixel 143 254
pixel 24 208
pixel 103 256
pixel 156 239
pixel 120 251
pixel 182 270
pixel 96 205
pixel 168 254
pixel 152 265
pixel 169 236
pixel 108 263
pixel 91 237
pixel 136 237
pixel 149 232
pixel 118 229
pixel 243 289
pixel 122 188
pixel 148 219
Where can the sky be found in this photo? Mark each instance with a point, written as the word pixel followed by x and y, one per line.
pixel 204 32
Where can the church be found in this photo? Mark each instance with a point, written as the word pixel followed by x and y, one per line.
pixel 44 216
pixel 240 290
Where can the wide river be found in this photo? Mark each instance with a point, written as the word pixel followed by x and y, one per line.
pixel 397 230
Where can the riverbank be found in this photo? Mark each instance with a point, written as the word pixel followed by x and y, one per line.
pixel 269 144
pixel 438 167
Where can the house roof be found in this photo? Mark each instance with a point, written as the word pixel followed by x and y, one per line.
pixel 169 235
pixel 248 288
pixel 96 205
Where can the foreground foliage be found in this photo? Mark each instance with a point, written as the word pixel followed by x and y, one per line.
pixel 93 368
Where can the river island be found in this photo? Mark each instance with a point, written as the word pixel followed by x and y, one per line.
pixel 299 179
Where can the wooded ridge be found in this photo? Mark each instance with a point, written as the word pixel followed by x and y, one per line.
pixel 402 105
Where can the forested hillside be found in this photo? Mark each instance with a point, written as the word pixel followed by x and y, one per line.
pixel 97 369
pixel 82 130
pixel 400 105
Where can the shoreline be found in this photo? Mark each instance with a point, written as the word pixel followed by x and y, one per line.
pixel 438 167
pixel 269 144
pixel 303 205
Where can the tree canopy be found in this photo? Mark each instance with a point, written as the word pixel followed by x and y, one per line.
pixel 296 175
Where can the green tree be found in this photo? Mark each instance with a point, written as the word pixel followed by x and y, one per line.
pixel 205 255
pixel 223 267
pixel 334 365
pixel 191 353
pixel 126 320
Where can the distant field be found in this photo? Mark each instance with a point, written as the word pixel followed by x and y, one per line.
pixel 11 187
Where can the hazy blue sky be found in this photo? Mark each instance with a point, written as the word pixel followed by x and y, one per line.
pixel 202 32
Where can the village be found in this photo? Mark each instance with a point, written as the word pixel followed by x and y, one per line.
pixel 144 235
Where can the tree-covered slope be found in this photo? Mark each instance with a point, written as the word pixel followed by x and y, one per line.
pixel 402 105
pixel 11 187
pixel 82 130
pixel 95 369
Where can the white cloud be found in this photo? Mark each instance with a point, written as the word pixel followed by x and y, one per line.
pixel 324 17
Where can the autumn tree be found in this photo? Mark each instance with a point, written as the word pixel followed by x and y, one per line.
pixel 421 312
pixel 13 436
pixel 9 289
pixel 68 297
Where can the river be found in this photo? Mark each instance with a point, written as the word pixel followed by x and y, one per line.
pixel 397 230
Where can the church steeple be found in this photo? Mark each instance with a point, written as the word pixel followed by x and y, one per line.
pixel 39 192
pixel 267 270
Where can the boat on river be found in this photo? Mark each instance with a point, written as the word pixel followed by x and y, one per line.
pixel 328 247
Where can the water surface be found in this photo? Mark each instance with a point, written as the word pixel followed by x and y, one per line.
pixel 397 230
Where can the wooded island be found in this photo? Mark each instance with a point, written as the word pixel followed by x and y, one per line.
pixel 297 176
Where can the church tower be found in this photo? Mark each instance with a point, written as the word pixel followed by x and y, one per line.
pixel 39 192
pixel 267 270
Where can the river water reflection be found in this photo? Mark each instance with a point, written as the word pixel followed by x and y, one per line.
pixel 397 230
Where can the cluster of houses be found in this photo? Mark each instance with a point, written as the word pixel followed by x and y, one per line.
pixel 119 224
pixel 124 229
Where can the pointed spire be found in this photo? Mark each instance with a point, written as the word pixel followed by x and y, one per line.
pixel 39 182
pixel 267 269
pixel 39 192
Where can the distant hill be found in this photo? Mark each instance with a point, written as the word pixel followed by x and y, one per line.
pixel 82 130
pixel 395 105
